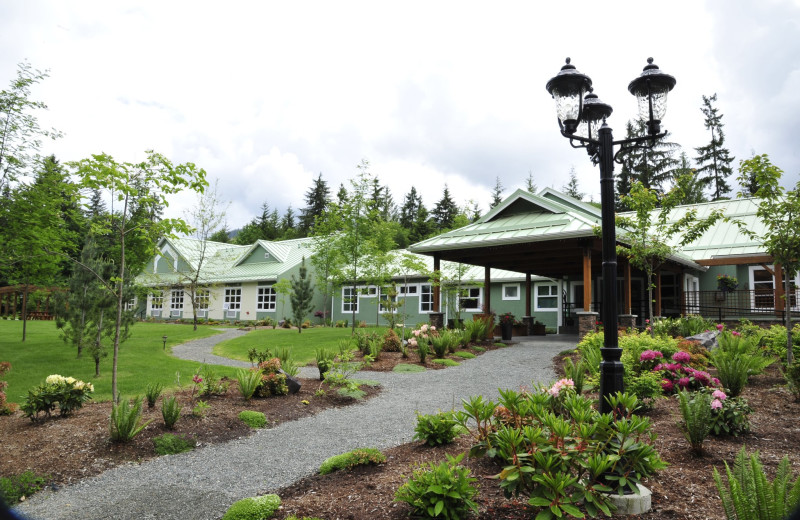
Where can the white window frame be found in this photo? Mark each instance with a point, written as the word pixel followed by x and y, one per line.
pixel 130 305
pixel 176 302
pixel 411 289
pixel 691 294
pixel 233 298
pixel 554 293
pixel 369 291
pixel 752 270
pixel 425 298
pixel 350 306
pixel 266 298
pixel 469 296
pixel 510 298
pixel 156 301
pixel 385 297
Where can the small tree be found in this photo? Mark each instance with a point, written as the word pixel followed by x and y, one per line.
pixel 650 237
pixel 779 210
pixel 283 288
pixel 302 295
pixel 714 160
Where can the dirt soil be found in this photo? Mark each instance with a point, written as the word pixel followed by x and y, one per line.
pixel 68 449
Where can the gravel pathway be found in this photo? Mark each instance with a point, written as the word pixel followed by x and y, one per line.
pixel 203 483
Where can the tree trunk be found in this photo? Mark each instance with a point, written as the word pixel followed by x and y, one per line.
pixel 788 306
pixel 24 309
pixel 650 304
pixel 120 285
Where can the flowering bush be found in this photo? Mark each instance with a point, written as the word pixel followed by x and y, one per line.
pixel 562 384
pixel 726 283
pixel 5 408
pixel 649 359
pixel 680 376
pixel 507 317
pixel 69 393
pixel 422 334
pixel 273 381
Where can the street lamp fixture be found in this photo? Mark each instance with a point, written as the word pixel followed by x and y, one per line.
pixel 164 339
pixel 582 120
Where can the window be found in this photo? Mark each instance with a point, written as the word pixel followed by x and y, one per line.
pixel 202 296
pixel 130 305
pixel 349 299
pixel 156 301
pixel 511 291
pixel 265 301
pixel 176 300
pixel 369 291
pixel 407 290
pixel 425 298
pixel 386 295
pixel 547 297
pixel 233 299
pixel 470 299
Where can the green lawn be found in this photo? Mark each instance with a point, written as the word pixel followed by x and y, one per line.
pixel 141 358
pixel 301 346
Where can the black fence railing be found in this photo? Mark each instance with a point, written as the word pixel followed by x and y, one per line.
pixel 750 304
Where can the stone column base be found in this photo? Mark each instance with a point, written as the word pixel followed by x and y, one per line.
pixel 437 319
pixel 628 321
pixel 587 322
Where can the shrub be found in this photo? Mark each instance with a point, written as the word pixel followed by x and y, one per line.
pixel 256 508
pixel 253 419
pixel 5 408
pixel 325 359
pixel 152 393
pixel 446 490
pixel 696 414
pixel 732 371
pixel 646 387
pixel 212 384
pixel 15 487
pixel 792 376
pixel 169 444
pixel 473 329
pixel 273 384
pixel 729 415
pixel 391 341
pixel 436 429
pixel 575 372
pixel 405 367
pixel 170 411
pixel 446 362
pixel 749 495
pixel 69 393
pixel 201 409
pixel 125 420
pixel 248 382
pixel 422 351
pixel 357 457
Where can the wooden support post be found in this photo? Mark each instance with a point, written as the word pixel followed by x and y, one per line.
pixel 437 282
pixel 528 294
pixel 487 281
pixel 587 279
pixel 626 287
pixel 657 294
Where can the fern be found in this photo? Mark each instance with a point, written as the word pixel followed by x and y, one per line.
pixel 696 413
pixel 750 496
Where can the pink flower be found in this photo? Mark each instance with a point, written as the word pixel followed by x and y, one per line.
pixel 719 395
pixel 736 333
pixel 716 404
pixel 647 321
pixel 433 328
pixel 683 382
pixel 197 380
pixel 716 381
pixel 649 355
pixel 667 385
pixel 720 326
pixel 681 357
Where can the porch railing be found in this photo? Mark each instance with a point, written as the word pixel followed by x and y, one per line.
pixel 751 304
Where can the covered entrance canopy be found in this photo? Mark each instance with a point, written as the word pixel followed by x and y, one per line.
pixel 548 234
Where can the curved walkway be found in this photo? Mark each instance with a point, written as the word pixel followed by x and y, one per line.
pixel 203 483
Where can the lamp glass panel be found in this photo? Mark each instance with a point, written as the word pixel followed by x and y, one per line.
pixel 659 105
pixel 568 105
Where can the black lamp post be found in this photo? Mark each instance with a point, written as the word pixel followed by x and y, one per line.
pixel 164 339
pixel 582 119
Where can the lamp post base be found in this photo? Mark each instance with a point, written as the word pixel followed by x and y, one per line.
pixel 611 376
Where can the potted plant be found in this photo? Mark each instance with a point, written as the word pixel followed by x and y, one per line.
pixel 726 283
pixel 506 325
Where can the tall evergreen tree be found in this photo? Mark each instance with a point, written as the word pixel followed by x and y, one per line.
pixel 572 188
pixel 341 195
pixel 653 167
pixel 410 208
pixel 497 193
pixel 287 229
pixel 530 186
pixel 714 160
pixel 689 183
pixel 445 211
pixel 316 202
pixel 221 235
pixel 302 296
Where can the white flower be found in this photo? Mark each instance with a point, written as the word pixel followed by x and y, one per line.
pixel 70 380
pixel 79 385
pixel 54 379
pixel 90 386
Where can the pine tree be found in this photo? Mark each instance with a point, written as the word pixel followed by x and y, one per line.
pixel 714 160
pixel 445 211
pixel 653 167
pixel 689 183
pixel 221 235
pixel 302 296
pixel 341 195
pixel 410 208
pixel 287 229
pixel 316 202
pixel 497 193
pixel 572 188
pixel 530 186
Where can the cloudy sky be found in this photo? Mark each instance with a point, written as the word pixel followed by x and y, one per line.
pixel 266 95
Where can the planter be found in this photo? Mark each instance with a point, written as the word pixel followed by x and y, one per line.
pixel 506 330
pixel 539 330
pixel 520 330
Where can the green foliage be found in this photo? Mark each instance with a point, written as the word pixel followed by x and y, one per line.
pixel 464 354
pixel 125 420
pixel 646 387
pixel 792 376
pixel 576 372
pixel 169 444
pixel 423 351
pixel 446 362
pixel 474 329
pixel 750 496
pixel 436 429
pixel 589 349
pixel 405 367
pixel 5 408
pixel 152 393
pixel 391 341
pixel 253 419
pixel 212 383
pixel 15 487
pixel 68 393
pixel 351 459
pixel 696 413
pixel 200 409
pixel 170 411
pixel 736 358
pixel 443 490
pixel 249 381
pixel 256 508
pixel 732 418
pixel 302 295
pixel 684 327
